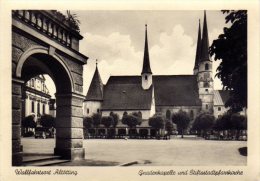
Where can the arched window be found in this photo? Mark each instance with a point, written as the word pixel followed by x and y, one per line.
pixel 87 110
pixel 32 106
pixel 191 114
pixel 168 114
pixel 145 77
pixel 206 66
pixel 98 110
pixel 207 106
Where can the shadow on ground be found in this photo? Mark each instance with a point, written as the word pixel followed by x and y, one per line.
pixel 243 151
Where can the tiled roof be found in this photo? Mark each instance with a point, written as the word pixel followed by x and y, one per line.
pixel 126 93
pixel 221 97
pixel 176 90
pixel 95 91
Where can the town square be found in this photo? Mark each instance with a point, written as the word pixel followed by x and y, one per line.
pixel 151 97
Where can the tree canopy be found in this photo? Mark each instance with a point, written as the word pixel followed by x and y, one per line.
pixel 131 120
pixel 88 122
pixel 28 122
pixel 47 121
pixel 107 121
pixel 231 49
pixel 181 119
pixel 156 122
pixel 115 117
pixel 203 121
pixel 96 119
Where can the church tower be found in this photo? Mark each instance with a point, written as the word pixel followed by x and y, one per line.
pixel 204 74
pixel 94 98
pixel 147 79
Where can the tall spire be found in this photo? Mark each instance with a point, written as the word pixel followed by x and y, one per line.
pixel 146 61
pixel 205 41
pixel 198 51
pixel 95 91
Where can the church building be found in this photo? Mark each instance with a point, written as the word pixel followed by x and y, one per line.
pixel 162 94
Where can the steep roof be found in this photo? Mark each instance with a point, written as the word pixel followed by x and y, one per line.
pixel 126 93
pixel 205 41
pixel 95 91
pixel 176 90
pixel 198 50
pixel 221 97
pixel 146 61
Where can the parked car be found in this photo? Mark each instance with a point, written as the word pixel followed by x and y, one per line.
pixel 42 132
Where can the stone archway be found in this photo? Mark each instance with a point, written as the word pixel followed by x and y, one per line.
pixel 49 47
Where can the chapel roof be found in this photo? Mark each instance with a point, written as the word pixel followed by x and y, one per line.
pixel 95 91
pixel 126 92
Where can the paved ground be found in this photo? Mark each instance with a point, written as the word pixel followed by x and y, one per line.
pixel 177 152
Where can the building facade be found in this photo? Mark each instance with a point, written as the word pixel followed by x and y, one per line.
pixel 36 97
pixel 160 94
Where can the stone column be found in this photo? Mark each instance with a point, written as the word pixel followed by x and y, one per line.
pixel 69 126
pixel 17 157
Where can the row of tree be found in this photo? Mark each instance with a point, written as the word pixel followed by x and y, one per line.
pixel 232 123
pixel 45 120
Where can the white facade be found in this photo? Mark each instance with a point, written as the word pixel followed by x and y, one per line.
pixel 91 107
pixel 147 80
pixel 36 97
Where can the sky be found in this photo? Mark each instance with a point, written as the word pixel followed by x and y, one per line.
pixel 116 40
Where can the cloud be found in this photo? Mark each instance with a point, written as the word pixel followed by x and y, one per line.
pixel 174 54
pixel 115 53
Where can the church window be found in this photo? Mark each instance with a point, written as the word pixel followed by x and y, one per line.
pixel 32 106
pixel 43 109
pixel 207 106
pixel 87 110
pixel 191 114
pixel 219 108
pixel 145 77
pixel 206 66
pixel 168 114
